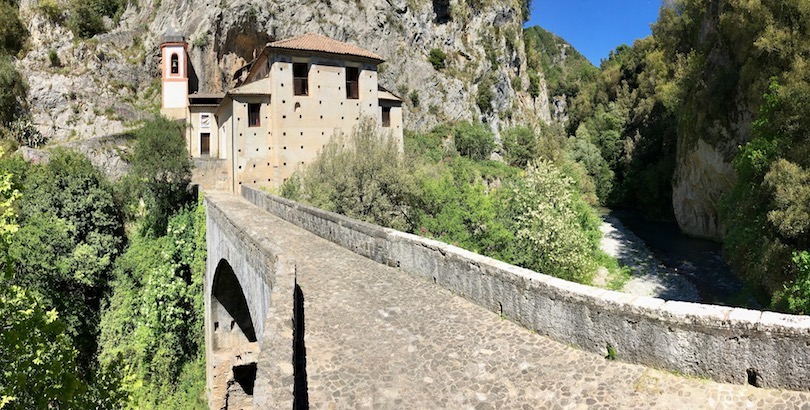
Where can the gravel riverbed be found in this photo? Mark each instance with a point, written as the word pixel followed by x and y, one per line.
pixel 649 276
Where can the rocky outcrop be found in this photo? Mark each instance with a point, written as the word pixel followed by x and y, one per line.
pixel 702 175
pixel 105 153
pixel 106 83
pixel 714 121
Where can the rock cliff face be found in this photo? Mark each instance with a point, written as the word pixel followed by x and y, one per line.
pixel 108 82
pixel 702 175
pixel 714 125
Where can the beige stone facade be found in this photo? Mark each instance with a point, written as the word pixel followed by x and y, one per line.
pixel 296 95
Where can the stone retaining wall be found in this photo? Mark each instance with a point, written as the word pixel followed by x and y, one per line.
pixel 734 345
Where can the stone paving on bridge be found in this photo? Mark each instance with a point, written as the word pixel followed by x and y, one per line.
pixel 379 338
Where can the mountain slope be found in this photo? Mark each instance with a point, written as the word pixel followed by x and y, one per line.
pixel 106 82
pixel 565 70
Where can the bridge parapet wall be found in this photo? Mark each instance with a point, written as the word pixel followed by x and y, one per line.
pixel 727 344
pixel 268 278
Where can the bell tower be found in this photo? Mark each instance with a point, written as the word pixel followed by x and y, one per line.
pixel 174 66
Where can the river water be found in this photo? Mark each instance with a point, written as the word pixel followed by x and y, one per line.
pixel 699 261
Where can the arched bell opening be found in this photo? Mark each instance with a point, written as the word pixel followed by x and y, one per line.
pixel 175 64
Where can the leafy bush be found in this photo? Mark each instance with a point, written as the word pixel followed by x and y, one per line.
pixel 12 90
pixel 53 57
pixel 455 207
pixel 473 141
pixel 790 185
pixel 86 17
pixel 38 360
pixel 556 233
pixel 590 157
pixel 796 295
pixel 70 233
pixel 160 349
pixel 414 97
pixel 361 175
pixel 23 132
pixel 51 10
pixel 12 30
pixel 438 58
pixel 160 175
pixel 430 146
pixel 520 146
pixel 485 95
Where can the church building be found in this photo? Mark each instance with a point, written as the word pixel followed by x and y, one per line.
pixel 297 93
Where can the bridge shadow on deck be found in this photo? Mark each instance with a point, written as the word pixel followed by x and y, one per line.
pixel 300 391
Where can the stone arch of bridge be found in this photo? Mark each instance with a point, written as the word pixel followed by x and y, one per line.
pixel 230 313
pixel 232 362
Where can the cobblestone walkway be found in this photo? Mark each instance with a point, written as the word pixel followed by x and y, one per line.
pixel 379 338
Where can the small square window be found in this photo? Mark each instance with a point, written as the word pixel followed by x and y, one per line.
pixel 254 115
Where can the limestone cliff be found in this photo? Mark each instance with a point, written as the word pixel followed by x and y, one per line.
pixel 105 84
pixel 717 111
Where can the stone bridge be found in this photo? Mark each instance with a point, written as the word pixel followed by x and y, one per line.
pixel 307 308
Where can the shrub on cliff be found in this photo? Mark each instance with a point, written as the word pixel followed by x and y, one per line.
pixel 12 90
pixel 86 17
pixel 437 58
pixel 12 30
pixel 473 141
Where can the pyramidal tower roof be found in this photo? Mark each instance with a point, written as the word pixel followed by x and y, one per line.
pixel 172 35
pixel 319 43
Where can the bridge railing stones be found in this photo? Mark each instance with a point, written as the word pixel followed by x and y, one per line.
pixel 765 349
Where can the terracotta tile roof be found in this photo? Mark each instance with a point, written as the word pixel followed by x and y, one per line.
pixel 384 94
pixel 317 42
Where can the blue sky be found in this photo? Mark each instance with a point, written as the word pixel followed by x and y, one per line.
pixel 595 27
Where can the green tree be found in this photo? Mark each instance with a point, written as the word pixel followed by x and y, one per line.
pixel 556 233
pixel 520 146
pixel 473 141
pixel 160 175
pixel 587 154
pixel 152 322
pixel 38 363
pixel 796 294
pixel 12 31
pixel 455 207
pixel 362 175
pixel 38 366
pixel 12 90
pixel 70 234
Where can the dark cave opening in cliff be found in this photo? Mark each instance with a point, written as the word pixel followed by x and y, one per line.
pixel 442 10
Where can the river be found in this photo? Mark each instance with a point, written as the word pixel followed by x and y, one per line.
pixel 679 258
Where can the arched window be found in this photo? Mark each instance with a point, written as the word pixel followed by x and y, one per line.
pixel 175 64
